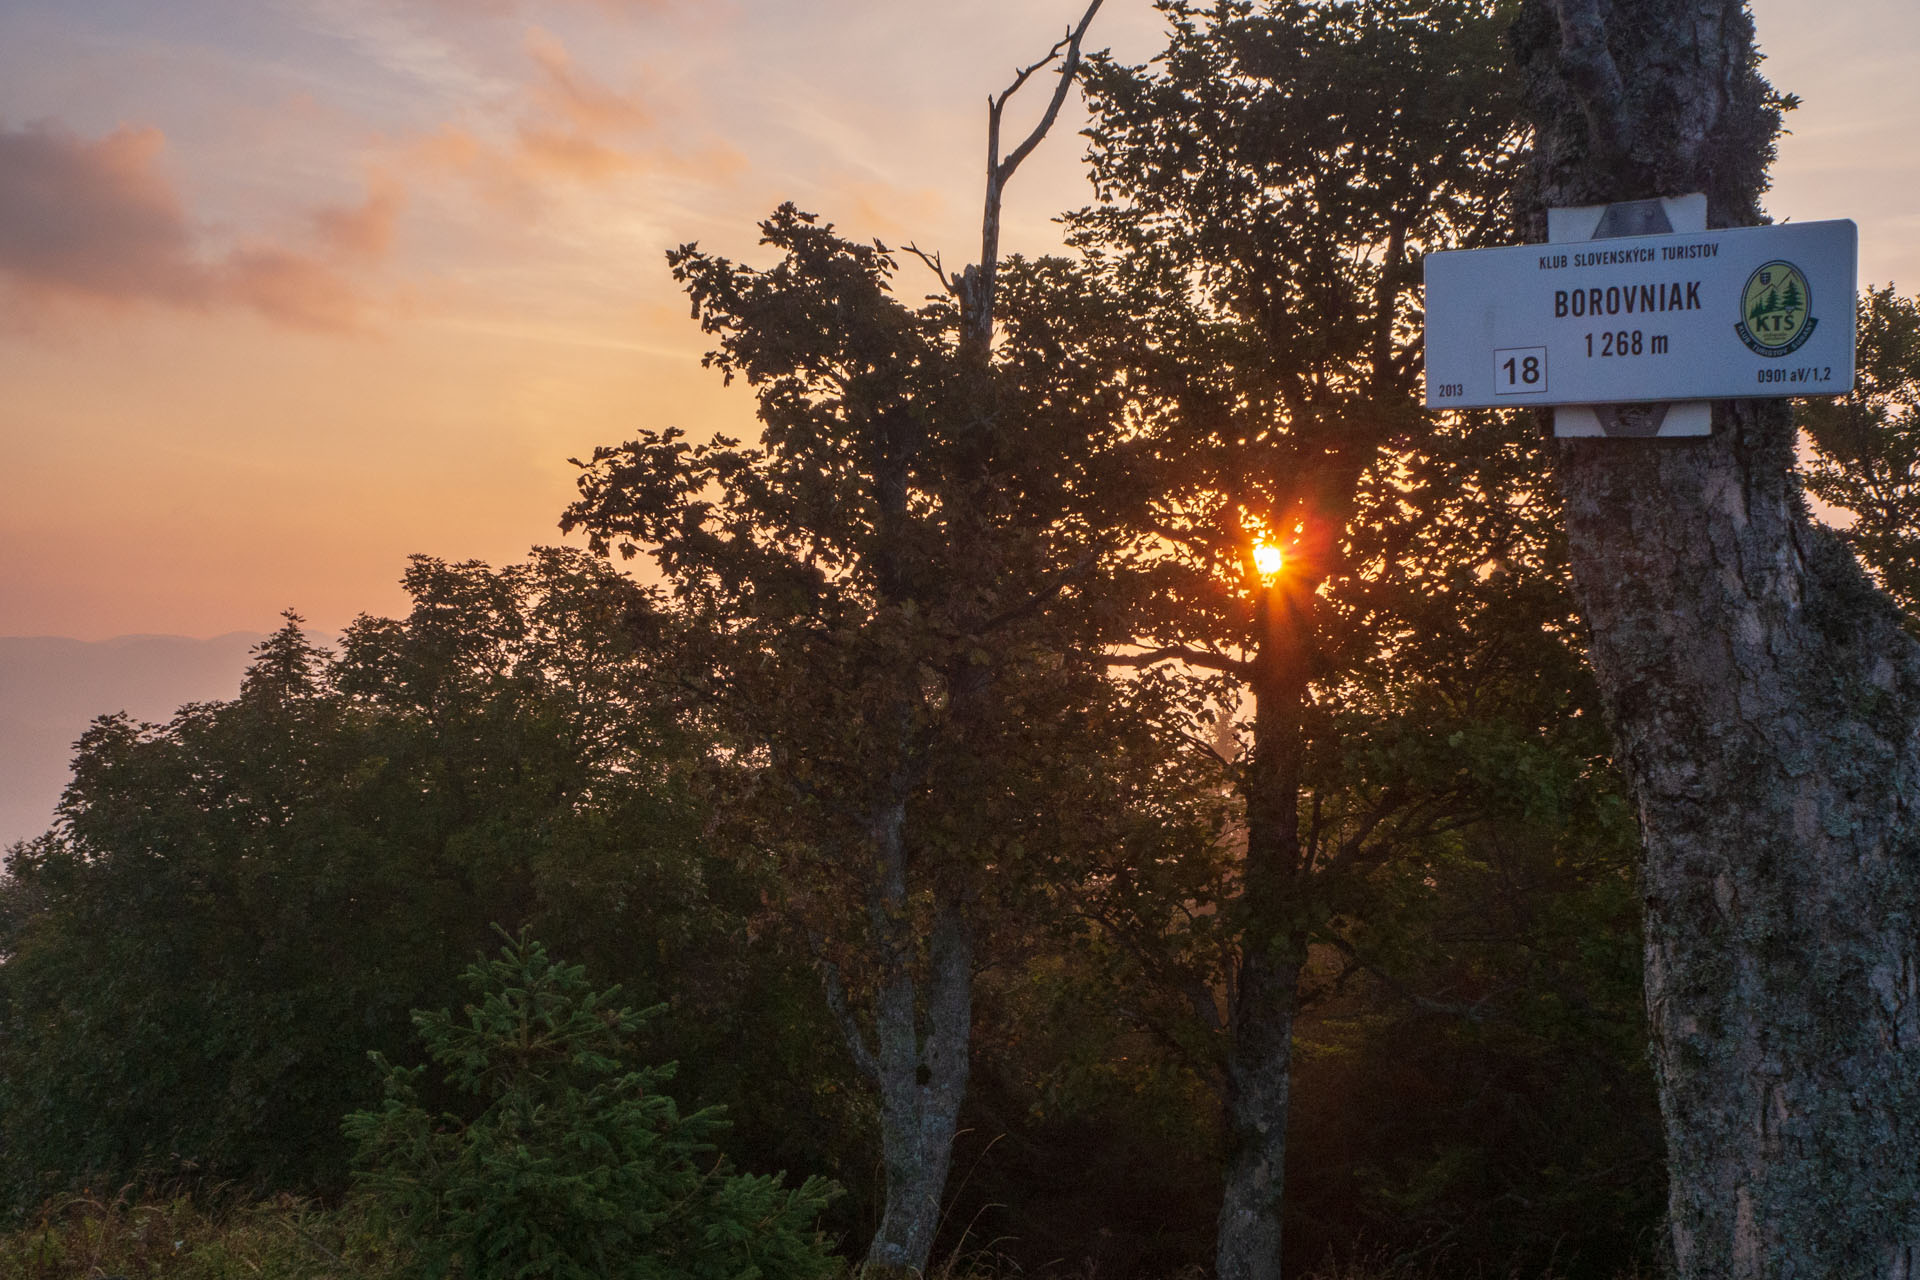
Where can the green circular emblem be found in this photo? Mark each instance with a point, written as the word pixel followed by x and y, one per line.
pixel 1776 310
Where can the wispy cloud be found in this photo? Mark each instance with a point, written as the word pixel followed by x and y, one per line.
pixel 577 126
pixel 414 46
pixel 566 93
pixel 571 126
pixel 97 220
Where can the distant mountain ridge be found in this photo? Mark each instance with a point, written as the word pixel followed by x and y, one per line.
pixel 52 688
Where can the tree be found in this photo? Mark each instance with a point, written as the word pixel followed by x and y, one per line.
pixel 570 1162
pixel 1267 191
pixel 1866 457
pixel 894 580
pixel 192 951
pixel 235 905
pixel 1764 697
pixel 1490 946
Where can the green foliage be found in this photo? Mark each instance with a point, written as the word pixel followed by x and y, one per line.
pixel 1269 184
pixel 1087 1142
pixel 899 593
pixel 1482 1077
pixel 901 600
pixel 1425 740
pixel 285 1238
pixel 1478 1036
pixel 1866 458
pixel 238 904
pixel 570 1165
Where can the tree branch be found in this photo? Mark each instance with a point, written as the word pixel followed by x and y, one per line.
pixel 1034 602
pixel 1475 1012
pixel 933 265
pixel 1072 45
pixel 975 286
pixel 856 1039
pixel 1386 298
pixel 1203 658
pixel 1349 850
pixel 1188 986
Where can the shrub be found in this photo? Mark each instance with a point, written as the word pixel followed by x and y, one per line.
pixel 569 1164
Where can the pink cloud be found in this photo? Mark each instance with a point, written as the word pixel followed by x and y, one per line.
pixel 566 93
pixel 572 127
pixel 96 220
pixel 291 288
pixel 572 154
pixel 364 231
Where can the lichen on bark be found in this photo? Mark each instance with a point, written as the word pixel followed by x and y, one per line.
pixel 1765 701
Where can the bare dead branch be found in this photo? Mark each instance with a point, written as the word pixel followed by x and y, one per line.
pixel 1067 72
pixel 975 285
pixel 933 265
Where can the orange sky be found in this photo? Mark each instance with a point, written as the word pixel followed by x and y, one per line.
pixel 292 288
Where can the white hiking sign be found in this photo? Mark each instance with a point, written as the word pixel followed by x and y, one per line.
pixel 1607 315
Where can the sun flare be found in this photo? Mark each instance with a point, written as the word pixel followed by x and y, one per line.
pixel 1267 559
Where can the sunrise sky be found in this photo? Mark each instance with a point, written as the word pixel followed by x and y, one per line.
pixel 292 288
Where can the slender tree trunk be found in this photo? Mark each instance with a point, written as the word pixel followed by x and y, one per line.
pixel 1766 705
pixel 918 1055
pixel 1259 1079
pixel 922 1082
pixel 1259 1066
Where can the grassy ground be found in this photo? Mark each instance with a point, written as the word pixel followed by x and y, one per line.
pixel 90 1237
pixel 101 1237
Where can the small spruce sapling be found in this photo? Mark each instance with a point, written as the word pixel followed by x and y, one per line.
pixel 571 1166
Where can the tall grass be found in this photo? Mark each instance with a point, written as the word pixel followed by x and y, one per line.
pixel 90 1236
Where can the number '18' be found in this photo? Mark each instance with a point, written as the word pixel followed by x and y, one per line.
pixel 1528 370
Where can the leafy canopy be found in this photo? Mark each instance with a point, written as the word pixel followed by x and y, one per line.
pixel 1866 457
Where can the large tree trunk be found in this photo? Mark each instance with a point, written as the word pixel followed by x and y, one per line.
pixel 1766 705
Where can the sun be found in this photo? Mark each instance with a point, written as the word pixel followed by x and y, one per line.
pixel 1267 559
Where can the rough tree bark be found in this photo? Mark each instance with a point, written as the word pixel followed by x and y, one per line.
pixel 919 1059
pixel 1766 705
